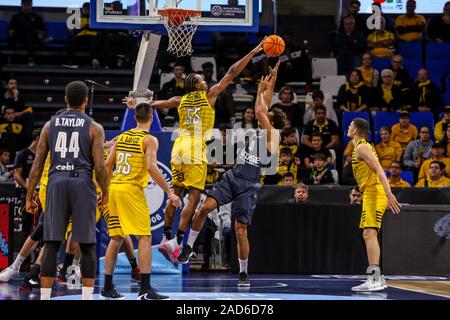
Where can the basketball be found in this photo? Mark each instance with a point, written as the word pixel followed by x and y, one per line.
pixel 274 46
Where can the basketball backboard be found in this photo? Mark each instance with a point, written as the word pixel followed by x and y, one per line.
pixel 217 15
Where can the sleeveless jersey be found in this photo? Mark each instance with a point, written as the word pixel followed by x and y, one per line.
pixel 248 163
pixel 364 176
pixel 70 144
pixel 130 159
pixel 196 116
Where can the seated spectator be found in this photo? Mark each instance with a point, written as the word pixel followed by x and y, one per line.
pixel 309 153
pixel 301 193
pixel 13 98
pixel 360 21
pixel 402 79
pixel 410 27
pixel 395 180
pixel 120 48
pixel 387 149
pixel 439 27
pixel 326 127
pixel 294 111
pixel 353 95
pixel 318 99
pixel 172 88
pixel 295 63
pixel 446 141
pixel 348 46
pixel 28 28
pixel 289 139
pixel 441 126
pixel 404 132
pixel 84 37
pixel 381 42
pixel 248 122
pixel 355 195
pixel 418 151
pixel 388 97
pixel 319 174
pixel 286 164
pixel 437 154
pixel 10 132
pixel 348 178
pixel 288 179
pixel 370 75
pixel 435 178
pixel 426 96
pixel 6 174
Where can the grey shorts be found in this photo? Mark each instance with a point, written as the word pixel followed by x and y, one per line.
pixel 242 192
pixel 70 196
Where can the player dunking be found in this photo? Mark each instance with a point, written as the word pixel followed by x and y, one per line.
pixel 134 155
pixel 189 165
pixel 377 195
pixel 75 143
pixel 241 183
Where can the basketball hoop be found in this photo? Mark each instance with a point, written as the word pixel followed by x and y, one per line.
pixel 181 29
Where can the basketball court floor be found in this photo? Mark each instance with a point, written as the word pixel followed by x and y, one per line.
pixel 223 286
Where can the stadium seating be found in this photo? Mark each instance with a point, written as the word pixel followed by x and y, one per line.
pixel 3 30
pixel 382 119
pixel 406 175
pixel 381 63
pixel 331 84
pixel 423 118
pixel 413 65
pixel 438 51
pixel 347 118
pixel 410 50
pixel 323 67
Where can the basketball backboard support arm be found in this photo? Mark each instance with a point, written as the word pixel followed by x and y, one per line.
pixel 143 71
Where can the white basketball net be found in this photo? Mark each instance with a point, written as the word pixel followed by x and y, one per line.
pixel 180 36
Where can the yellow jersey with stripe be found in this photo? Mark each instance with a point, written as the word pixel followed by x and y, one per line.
pixel 44 177
pixel 131 167
pixel 196 116
pixel 364 176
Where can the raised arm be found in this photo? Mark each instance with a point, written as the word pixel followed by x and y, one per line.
pixel 232 73
pixel 363 152
pixel 98 156
pixel 37 168
pixel 173 102
pixel 151 149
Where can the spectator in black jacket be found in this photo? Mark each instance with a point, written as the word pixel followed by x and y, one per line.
pixel 174 87
pixel 425 94
pixel 360 22
pixel 387 96
pixel 348 46
pixel 320 174
pixel 353 95
pixel 28 28
pixel 439 27
pixel 402 78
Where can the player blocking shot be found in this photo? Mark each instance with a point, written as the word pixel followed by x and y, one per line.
pixel 240 185
pixel 377 196
pixel 75 142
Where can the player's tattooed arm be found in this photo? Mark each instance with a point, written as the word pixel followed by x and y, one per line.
pixel 37 168
pixel 98 137
pixel 234 71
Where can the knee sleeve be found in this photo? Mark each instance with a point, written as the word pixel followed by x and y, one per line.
pixel 48 267
pixel 37 234
pixel 88 263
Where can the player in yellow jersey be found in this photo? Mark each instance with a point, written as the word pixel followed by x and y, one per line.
pixel 189 165
pixel 134 155
pixel 377 196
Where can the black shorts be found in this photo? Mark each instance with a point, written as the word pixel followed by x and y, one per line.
pixel 242 192
pixel 70 196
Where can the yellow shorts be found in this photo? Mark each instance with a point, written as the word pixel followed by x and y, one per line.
pixel 374 204
pixel 189 175
pixel 129 203
pixel 43 195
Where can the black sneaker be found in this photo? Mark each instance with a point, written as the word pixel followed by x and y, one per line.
pixel 244 281
pixel 29 283
pixel 111 294
pixel 185 255
pixel 151 294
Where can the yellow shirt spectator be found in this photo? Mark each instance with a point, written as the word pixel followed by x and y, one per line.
pixel 425 169
pixel 441 183
pixel 392 151
pixel 414 25
pixel 439 129
pixel 377 37
pixel 399 184
pixel 404 136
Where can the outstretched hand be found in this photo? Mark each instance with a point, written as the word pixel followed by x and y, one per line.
pixel 259 47
pixel 274 72
pixel 264 83
pixel 129 102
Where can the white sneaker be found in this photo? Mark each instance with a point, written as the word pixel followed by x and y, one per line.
pixel 8 274
pixel 370 285
pixel 383 282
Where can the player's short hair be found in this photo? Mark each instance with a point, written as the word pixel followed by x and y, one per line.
pixel 190 82
pixel 143 112
pixel 288 175
pixel 76 93
pixel 286 132
pixel 35 134
pixel 278 118
pixel 441 164
pixel 286 151
pixel 362 126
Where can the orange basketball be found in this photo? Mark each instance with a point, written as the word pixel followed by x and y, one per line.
pixel 273 46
